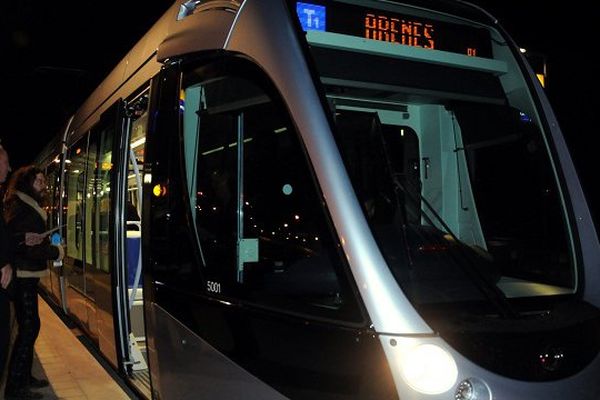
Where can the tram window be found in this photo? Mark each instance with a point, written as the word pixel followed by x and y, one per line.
pixel 261 225
pixel 90 199
pixel 297 257
pixel 519 204
pixel 216 195
pixel 98 208
pixel 53 179
pixel 75 174
pixel 138 110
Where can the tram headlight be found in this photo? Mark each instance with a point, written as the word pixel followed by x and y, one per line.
pixel 429 369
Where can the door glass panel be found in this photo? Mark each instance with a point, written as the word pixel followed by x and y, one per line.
pixel 102 195
pixel 76 193
pixel 138 113
pixel 52 177
pixel 135 168
pixel 99 231
pixel 51 206
pixel 90 223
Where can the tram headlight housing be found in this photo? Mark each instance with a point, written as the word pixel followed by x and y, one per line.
pixel 428 369
pixel 472 389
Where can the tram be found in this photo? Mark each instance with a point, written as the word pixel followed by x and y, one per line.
pixel 327 199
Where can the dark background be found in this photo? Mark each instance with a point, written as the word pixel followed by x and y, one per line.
pixel 55 53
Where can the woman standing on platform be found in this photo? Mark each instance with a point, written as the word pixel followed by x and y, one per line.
pixel 26 222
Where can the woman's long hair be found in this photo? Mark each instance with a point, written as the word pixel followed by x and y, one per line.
pixel 22 181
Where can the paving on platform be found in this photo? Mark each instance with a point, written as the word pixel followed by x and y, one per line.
pixel 60 357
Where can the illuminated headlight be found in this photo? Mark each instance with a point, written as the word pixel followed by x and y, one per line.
pixel 429 369
pixel 472 389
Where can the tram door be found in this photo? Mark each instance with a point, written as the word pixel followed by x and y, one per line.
pixel 74 262
pixel 99 230
pixel 133 334
pixel 88 261
pixel 52 281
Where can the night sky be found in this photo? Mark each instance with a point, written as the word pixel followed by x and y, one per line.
pixel 55 53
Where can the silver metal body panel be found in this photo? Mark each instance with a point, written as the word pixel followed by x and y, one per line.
pixel 215 23
pixel 183 366
pixel 263 32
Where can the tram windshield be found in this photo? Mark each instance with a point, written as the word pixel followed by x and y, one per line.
pixel 446 155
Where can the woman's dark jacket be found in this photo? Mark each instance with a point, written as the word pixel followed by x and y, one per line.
pixel 22 218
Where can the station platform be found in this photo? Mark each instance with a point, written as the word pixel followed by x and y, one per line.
pixel 73 372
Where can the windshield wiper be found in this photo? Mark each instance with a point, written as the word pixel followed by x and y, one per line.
pixel 486 287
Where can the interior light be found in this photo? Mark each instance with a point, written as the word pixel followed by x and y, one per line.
pixel 428 369
pixel 159 190
pixel 138 142
pixel 542 79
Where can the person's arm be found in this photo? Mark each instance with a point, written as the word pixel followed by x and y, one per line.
pixel 32 238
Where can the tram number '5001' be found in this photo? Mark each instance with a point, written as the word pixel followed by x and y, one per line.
pixel 213 287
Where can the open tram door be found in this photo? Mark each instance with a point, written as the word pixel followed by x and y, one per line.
pixel 131 331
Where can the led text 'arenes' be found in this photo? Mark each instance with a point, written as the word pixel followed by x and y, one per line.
pixel 394 30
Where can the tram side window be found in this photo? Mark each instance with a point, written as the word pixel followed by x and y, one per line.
pixel 282 211
pixel 135 169
pixel 90 223
pixel 98 206
pixel 261 225
pixel 53 179
pixel 76 192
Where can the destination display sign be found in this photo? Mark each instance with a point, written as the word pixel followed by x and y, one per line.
pixel 385 26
